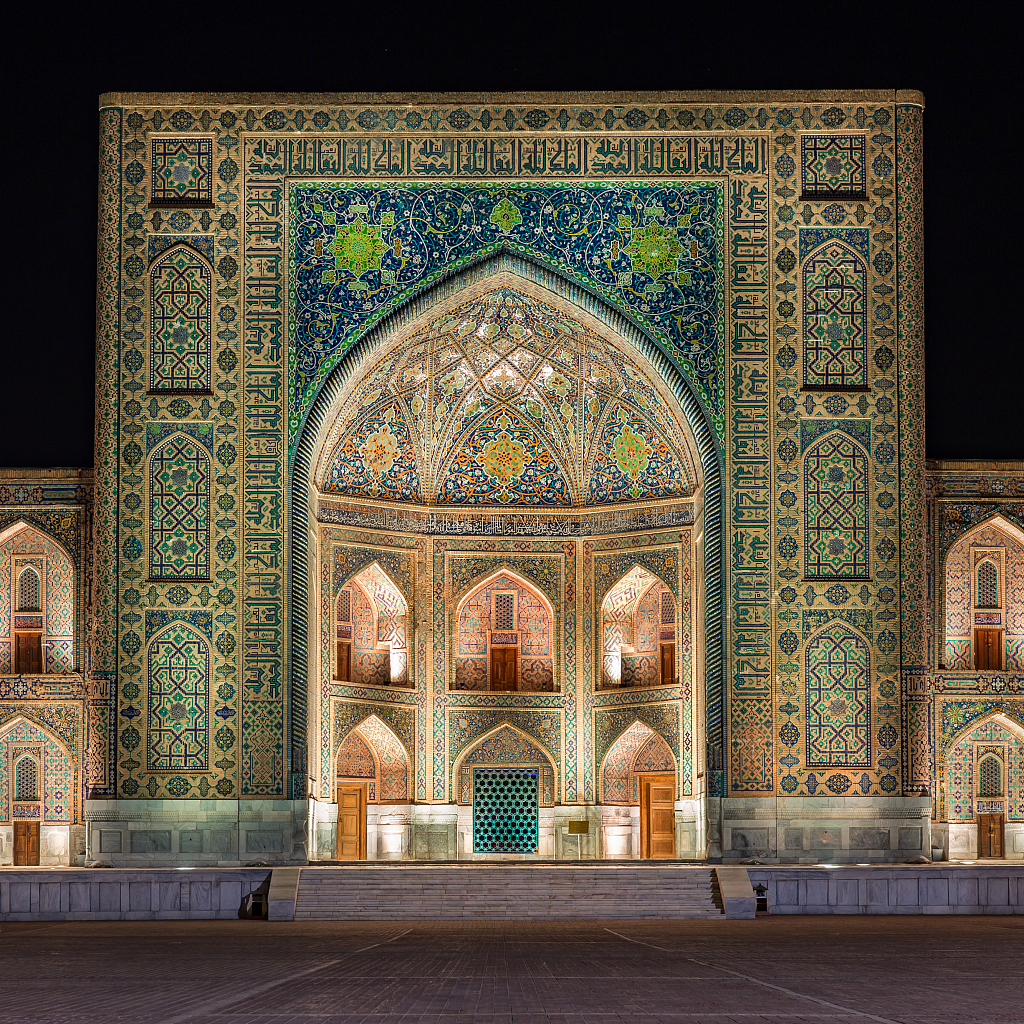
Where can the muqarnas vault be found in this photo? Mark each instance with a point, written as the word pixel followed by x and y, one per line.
pixel 467 469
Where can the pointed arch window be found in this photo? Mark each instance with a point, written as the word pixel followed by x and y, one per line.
pixel 990 777
pixel 180 321
pixel 29 590
pixel 179 524
pixel 987 585
pixel 837 544
pixel 26 779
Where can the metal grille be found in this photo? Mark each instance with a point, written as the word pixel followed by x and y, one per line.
pixel 990 777
pixel 26 780
pixel 505 810
pixel 668 607
pixel 504 611
pixel 345 606
pixel 28 590
pixel 988 586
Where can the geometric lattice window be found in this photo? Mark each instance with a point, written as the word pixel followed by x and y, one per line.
pixel 838 667
pixel 505 804
pixel 504 611
pixel 988 586
pixel 29 590
pixel 179 701
pixel 668 608
pixel 180 324
pixel 345 606
pixel 836 509
pixel 179 540
pixel 990 777
pixel 835 319
pixel 26 780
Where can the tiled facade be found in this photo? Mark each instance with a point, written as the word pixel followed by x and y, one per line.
pixel 608 394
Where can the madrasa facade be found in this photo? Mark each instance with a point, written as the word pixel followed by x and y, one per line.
pixel 511 476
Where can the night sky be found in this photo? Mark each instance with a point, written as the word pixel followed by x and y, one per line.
pixel 56 67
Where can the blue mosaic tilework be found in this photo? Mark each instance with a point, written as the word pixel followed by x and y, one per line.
pixel 833 166
pixel 180 325
pixel 182 170
pixel 179 514
pixel 178 704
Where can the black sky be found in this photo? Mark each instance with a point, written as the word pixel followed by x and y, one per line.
pixel 58 59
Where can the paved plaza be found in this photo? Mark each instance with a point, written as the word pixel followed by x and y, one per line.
pixel 926 970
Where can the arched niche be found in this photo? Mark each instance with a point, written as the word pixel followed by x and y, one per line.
pixel 371 630
pixel 504 616
pixel 50 628
pixel 373 754
pixel 505 746
pixel 638 750
pixel 57 797
pixel 638 632
pixel 314 444
pixel 981 625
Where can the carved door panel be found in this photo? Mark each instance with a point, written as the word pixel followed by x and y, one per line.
pixel 990 836
pixel 668 664
pixel 657 816
pixel 26 843
pixel 29 653
pixel 344 673
pixel 503 668
pixel 988 650
pixel 351 823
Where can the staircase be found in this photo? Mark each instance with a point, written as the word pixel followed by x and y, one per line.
pixel 520 891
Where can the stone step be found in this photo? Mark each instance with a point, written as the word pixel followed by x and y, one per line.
pixel 505 892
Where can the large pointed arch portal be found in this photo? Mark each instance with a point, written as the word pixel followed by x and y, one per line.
pixel 699 459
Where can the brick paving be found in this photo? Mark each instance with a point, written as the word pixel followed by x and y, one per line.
pixel 925 970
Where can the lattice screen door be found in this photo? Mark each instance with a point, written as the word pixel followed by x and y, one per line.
pixel 505 810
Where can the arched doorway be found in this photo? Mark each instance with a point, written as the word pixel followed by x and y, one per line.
pixel 491 396
pixel 639 774
pixel 372 773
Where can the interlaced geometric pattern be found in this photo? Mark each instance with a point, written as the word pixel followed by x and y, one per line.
pixel 182 170
pixel 179 539
pixel 836 519
pixel 988 585
pixel 504 611
pixel 835 319
pixel 179 701
pixel 28 590
pixel 180 325
pixel 990 777
pixel 345 606
pixel 26 780
pixel 505 804
pixel 668 608
pixel 832 165
pixel 838 699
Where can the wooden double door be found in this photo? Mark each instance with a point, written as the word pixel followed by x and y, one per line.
pixel 988 650
pixel 351 821
pixel 504 664
pixel 26 843
pixel 28 654
pixel 991 839
pixel 657 816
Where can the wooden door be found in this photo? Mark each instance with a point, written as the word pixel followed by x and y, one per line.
pixel 657 816
pixel 344 673
pixel 26 842
pixel 503 668
pixel 29 653
pixel 988 649
pixel 668 664
pixel 351 822
pixel 990 835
